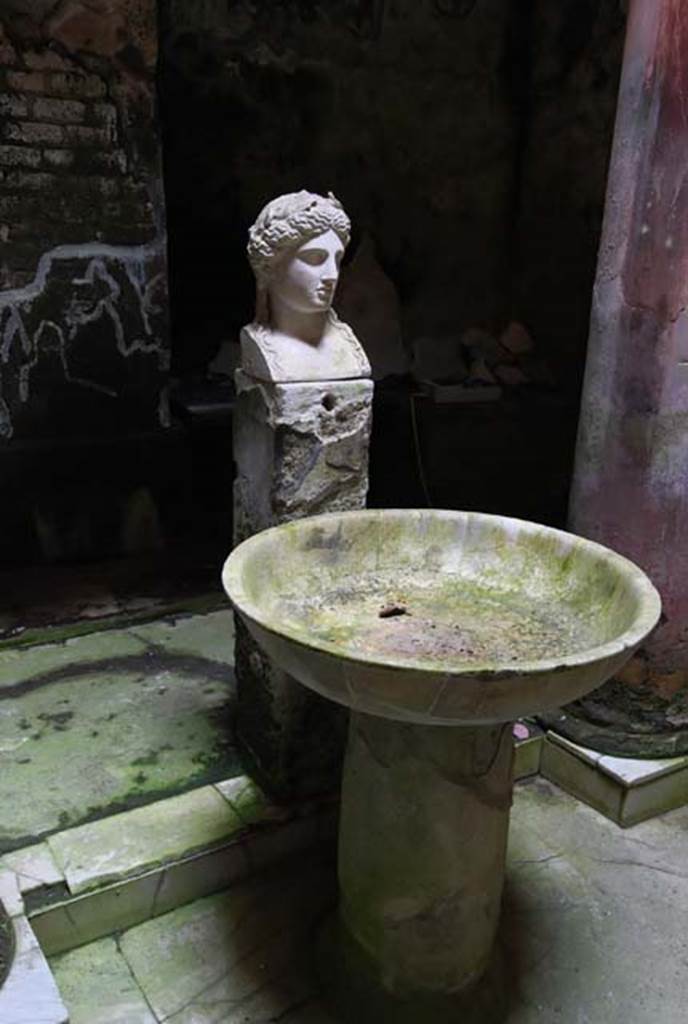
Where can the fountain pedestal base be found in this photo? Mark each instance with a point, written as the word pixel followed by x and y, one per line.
pixel 355 994
pixel 422 847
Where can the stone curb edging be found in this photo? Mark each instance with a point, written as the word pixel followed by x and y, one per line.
pixel 89 881
pixel 59 899
pixel 626 790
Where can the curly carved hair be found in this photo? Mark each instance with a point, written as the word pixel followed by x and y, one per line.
pixel 284 224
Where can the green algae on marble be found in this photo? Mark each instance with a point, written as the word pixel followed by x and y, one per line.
pixel 239 956
pixel 120 845
pixel 498 618
pixel 322 578
pixel 116 719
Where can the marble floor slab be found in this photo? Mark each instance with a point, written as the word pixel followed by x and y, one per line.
pixel 593 932
pixel 96 724
pixel 96 983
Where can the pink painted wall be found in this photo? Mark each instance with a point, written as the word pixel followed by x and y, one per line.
pixel 631 478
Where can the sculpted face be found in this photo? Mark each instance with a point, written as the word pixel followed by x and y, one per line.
pixel 307 280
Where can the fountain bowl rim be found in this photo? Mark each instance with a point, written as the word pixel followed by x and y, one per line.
pixel 649 611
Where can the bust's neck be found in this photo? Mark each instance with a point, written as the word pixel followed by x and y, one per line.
pixel 308 327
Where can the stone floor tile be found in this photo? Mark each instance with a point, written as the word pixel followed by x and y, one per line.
pixel 128 719
pixel 97 986
pixel 662 793
pixel 626 789
pixel 96 914
pixel 118 846
pixel 527 753
pixel 20 666
pixel 55 930
pixel 586 754
pixel 581 776
pixel 594 922
pixel 200 876
pixel 34 866
pixel 237 958
pixel 29 994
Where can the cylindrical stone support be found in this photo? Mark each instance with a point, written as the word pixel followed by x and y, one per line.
pixel 630 488
pixel 422 846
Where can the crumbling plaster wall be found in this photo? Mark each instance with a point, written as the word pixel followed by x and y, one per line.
pixel 83 330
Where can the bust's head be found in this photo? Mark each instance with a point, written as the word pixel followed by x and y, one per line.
pixel 295 247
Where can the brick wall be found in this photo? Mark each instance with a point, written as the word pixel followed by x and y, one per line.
pixel 83 332
pixel 64 165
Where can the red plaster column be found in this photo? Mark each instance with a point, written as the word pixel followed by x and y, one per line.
pixel 630 487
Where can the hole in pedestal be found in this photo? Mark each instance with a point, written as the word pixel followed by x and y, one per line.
pixel 329 402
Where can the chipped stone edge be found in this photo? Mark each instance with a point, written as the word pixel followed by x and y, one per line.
pixel 267 833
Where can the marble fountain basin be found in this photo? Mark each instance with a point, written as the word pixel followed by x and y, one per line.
pixel 440 617
pixel 418 621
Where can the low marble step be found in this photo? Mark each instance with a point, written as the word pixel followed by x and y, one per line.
pixel 87 882
pixel 90 881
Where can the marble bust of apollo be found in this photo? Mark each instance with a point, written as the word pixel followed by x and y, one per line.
pixel 295 249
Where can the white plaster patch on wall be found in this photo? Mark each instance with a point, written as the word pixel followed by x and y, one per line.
pixel 95 295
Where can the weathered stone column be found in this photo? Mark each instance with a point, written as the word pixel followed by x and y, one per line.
pixel 422 847
pixel 299 449
pixel 630 487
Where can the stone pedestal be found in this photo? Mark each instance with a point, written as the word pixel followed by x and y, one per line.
pixel 299 449
pixel 422 846
pixel 630 487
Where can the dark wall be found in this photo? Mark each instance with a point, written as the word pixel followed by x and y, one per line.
pixel 469 138
pixel 87 455
pixel 402 108
pixel 565 144
pixel 83 291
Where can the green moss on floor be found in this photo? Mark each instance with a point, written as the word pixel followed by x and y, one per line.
pixel 97 724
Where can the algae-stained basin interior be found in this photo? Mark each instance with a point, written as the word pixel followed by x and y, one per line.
pixel 453 615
